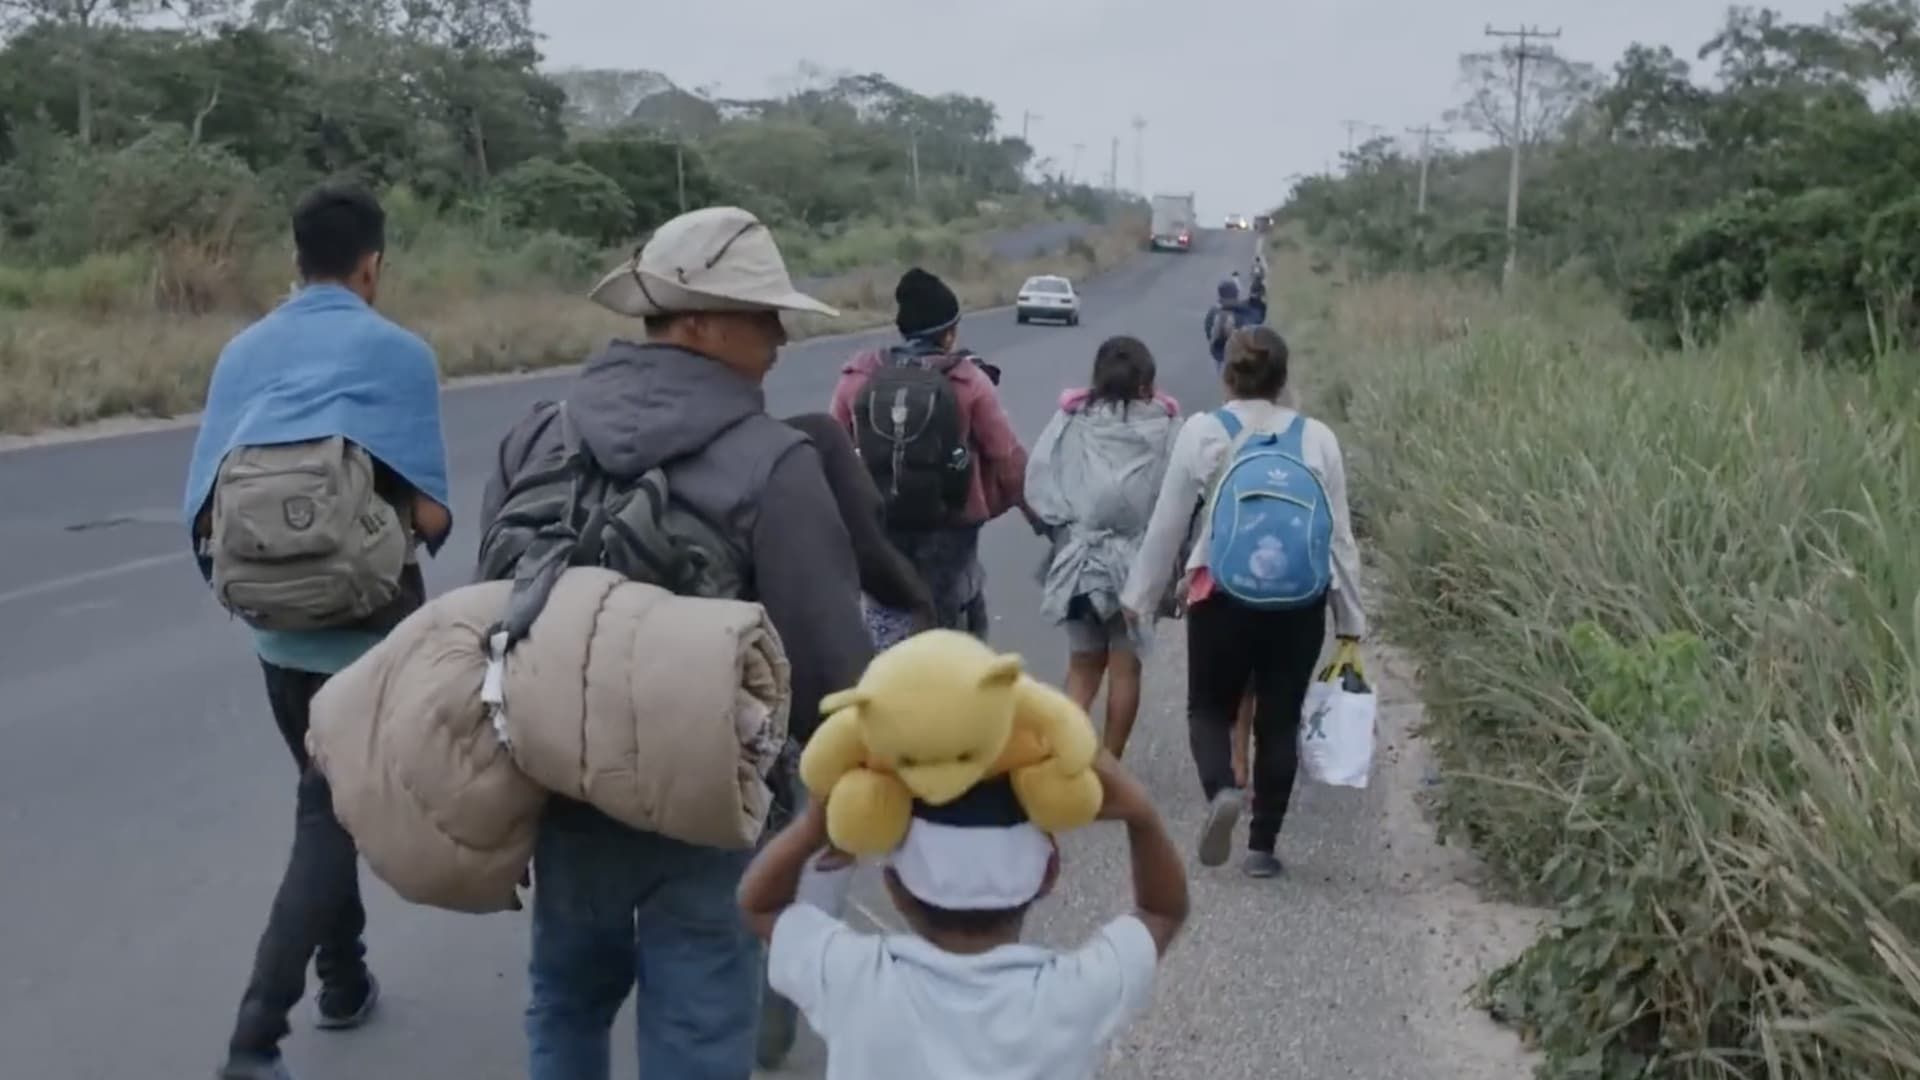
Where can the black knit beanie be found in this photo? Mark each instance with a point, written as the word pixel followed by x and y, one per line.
pixel 927 306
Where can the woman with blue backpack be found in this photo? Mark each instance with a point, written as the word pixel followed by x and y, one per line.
pixel 1273 555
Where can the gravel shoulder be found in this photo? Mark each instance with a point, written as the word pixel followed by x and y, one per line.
pixel 1358 962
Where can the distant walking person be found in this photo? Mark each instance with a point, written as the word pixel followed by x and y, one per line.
pixel 1226 316
pixel 929 426
pixel 1257 591
pixel 1093 478
pixel 318 468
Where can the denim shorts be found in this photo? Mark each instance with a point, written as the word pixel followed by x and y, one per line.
pixel 1087 632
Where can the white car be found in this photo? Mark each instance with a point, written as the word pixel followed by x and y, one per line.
pixel 1238 221
pixel 1047 296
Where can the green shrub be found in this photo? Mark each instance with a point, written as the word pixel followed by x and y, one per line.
pixel 565 197
pixel 157 188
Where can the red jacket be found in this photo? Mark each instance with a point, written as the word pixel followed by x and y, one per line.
pixel 999 479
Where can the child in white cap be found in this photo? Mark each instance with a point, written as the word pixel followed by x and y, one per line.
pixel 960 996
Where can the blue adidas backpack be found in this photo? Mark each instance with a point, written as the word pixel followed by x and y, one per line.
pixel 1270 543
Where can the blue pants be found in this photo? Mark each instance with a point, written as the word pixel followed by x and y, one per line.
pixel 615 909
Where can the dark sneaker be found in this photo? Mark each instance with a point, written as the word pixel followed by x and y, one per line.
pixel 347 1007
pixel 1261 864
pixel 248 1068
pixel 1216 836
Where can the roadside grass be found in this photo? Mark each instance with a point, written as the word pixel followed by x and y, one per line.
pixel 1668 608
pixel 137 334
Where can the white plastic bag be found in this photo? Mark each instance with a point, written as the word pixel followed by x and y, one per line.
pixel 1336 728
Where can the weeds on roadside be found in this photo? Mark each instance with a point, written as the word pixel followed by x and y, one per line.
pixel 1669 609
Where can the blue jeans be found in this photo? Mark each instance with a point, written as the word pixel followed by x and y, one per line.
pixel 615 909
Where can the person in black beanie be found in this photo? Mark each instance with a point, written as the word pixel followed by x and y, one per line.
pixel 928 308
pixel 929 425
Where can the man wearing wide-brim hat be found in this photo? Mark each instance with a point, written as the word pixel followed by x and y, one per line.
pixel 614 906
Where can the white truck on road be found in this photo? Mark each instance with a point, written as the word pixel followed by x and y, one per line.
pixel 1174 221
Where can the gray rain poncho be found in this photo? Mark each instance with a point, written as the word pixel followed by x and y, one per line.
pixel 1093 476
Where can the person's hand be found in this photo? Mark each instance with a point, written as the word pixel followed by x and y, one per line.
pixel 832 859
pixel 1123 796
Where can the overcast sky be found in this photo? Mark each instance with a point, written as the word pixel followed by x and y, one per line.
pixel 1236 96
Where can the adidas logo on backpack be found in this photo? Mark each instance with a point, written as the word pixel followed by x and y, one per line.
pixel 1270 524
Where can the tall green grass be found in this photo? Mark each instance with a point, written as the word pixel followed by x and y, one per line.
pixel 1668 605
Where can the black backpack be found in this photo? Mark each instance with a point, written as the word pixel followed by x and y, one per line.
pixel 563 510
pixel 911 433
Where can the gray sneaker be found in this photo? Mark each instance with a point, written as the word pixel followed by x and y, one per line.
pixel 1216 836
pixel 1261 864
pixel 240 1068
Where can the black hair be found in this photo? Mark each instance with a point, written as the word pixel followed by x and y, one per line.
pixel 1256 366
pixel 334 227
pixel 1123 371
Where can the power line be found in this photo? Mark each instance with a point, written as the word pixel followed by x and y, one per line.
pixel 1521 54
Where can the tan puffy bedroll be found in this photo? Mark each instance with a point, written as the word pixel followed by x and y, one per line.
pixel 663 712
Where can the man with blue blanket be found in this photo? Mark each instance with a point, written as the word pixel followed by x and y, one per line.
pixel 318 470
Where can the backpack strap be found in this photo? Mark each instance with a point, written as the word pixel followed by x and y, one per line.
pixel 555 544
pixel 1294 439
pixel 1228 421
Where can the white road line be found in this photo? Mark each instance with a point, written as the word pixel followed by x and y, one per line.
pixel 28 592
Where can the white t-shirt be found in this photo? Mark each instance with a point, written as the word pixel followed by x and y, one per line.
pixel 896 1006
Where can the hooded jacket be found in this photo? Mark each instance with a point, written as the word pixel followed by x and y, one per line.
pixel 1095 473
pixel 640 406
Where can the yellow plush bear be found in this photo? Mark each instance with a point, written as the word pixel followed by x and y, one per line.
pixel 932 717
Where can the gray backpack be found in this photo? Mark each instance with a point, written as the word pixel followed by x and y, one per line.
pixel 563 510
pixel 300 538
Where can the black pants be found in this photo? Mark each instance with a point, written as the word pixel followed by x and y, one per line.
pixel 316 915
pixel 1226 645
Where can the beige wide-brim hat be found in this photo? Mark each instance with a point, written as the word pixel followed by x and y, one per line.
pixel 720 258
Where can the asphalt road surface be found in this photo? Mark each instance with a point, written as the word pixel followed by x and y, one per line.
pixel 146 801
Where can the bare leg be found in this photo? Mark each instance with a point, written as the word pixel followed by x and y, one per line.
pixel 1123 700
pixel 1084 672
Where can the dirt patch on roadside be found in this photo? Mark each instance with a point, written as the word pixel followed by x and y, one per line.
pixel 1462 935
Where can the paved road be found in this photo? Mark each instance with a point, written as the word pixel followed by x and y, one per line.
pixel 145 800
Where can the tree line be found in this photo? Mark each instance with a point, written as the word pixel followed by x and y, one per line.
pixel 130 122
pixel 1779 163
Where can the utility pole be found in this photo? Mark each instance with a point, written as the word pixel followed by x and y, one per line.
pixel 1027 118
pixel 1352 127
pixel 1139 154
pixel 680 171
pixel 913 155
pixel 1426 133
pixel 1073 174
pixel 1521 54
pixel 1113 169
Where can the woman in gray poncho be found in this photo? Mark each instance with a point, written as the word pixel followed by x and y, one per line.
pixel 1092 478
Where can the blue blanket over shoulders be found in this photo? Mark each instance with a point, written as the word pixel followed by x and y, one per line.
pixel 324 363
